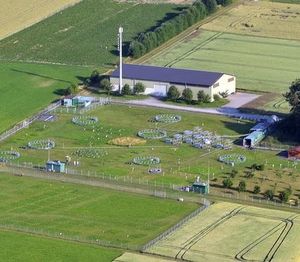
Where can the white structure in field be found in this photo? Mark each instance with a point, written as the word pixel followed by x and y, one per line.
pixel 158 80
pixel 120 47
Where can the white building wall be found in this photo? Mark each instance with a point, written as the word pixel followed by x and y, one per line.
pixel 225 83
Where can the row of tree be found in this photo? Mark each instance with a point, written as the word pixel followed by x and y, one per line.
pixel 174 95
pixel 126 90
pixel 145 42
pixel 269 194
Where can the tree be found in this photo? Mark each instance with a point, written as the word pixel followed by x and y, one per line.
pixel 95 77
pixel 242 186
pixel 211 5
pixel 72 89
pixel 269 194
pixel 227 183
pixel 291 125
pixel 106 85
pixel 126 90
pixel 136 49
pixel 201 96
pixel 256 190
pixel 206 99
pixel 139 88
pixel 284 196
pixel 187 95
pixel 173 93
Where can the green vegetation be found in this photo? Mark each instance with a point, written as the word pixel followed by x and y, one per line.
pixel 224 230
pixel 84 34
pixel 27 88
pixel 36 248
pixel 252 59
pixel 85 213
pixel 287 1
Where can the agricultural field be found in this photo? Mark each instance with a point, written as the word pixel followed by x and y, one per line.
pixel 27 88
pixel 85 34
pixel 36 248
pixel 98 154
pixel 16 15
pixel 231 232
pixel 85 213
pixel 261 64
pixel 260 18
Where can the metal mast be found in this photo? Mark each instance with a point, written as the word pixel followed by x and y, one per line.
pixel 121 62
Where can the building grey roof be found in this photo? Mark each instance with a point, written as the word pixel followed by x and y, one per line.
pixel 170 75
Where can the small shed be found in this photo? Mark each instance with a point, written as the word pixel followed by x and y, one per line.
pixel 253 138
pixel 77 101
pixel 67 101
pixel 200 187
pixel 56 166
pixel 294 152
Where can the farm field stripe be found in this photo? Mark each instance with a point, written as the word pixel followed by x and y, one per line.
pixel 197 237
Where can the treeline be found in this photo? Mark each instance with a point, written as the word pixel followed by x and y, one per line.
pixel 145 42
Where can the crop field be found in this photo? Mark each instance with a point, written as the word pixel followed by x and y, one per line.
pixel 230 232
pixel 260 18
pixel 27 88
pixel 263 64
pixel 180 165
pixel 84 213
pixel 36 248
pixel 85 34
pixel 16 15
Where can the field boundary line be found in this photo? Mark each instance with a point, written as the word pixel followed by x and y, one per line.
pixel 172 229
pixel 183 35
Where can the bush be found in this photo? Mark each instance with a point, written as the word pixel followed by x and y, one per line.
pixel 173 93
pixel 106 85
pixel 224 94
pixel 139 88
pixel 242 186
pixel 217 97
pixel 269 194
pixel 258 167
pixel 227 183
pixel 206 99
pixel 201 96
pixel 187 95
pixel 256 190
pixel 126 90
pixel 285 195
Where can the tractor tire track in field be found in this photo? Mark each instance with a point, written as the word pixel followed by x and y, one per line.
pixel 197 237
pixel 285 226
pixel 194 49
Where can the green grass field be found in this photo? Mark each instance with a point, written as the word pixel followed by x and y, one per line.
pixel 180 164
pixel 85 34
pixel 263 64
pixel 85 213
pixel 225 232
pixel 27 88
pixel 36 248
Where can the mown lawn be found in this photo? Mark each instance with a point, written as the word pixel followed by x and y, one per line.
pixel 19 247
pixel 85 34
pixel 27 88
pixel 85 213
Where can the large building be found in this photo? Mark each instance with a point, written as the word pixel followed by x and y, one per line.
pixel 158 80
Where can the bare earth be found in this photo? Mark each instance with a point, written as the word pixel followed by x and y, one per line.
pixel 16 15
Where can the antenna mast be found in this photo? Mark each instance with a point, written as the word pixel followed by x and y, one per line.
pixel 120 36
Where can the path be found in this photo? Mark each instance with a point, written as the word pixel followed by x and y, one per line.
pixel 231 109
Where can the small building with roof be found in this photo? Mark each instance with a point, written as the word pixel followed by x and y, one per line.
pixel 77 101
pixel 158 80
pixel 56 166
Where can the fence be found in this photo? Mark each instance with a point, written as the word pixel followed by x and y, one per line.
pixel 25 123
pixel 175 227
pixel 82 110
